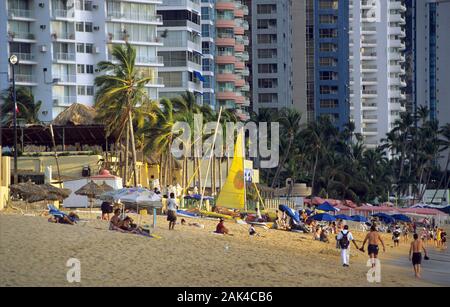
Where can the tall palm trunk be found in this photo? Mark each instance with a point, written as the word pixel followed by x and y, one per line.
pixel 133 148
pixel 160 170
pixel 127 142
pixel 442 178
pixel 277 174
pixel 314 170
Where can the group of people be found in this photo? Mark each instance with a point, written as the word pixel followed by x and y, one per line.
pixel 125 225
pixel 436 235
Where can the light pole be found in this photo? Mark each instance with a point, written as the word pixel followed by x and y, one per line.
pixel 14 60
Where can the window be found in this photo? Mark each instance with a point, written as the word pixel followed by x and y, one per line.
pixel 267 23
pixel 328 75
pixel 267 38
pixel 81 90
pixel 89 48
pixel 266 8
pixel 268 98
pixel 328 4
pixel 267 68
pixel 88 27
pixel 80 48
pixel 89 69
pixel 268 83
pixel 327 33
pixel 80 27
pixel 327 47
pixel 80 68
pixel 89 90
pixel 329 103
pixel 327 89
pixel 327 61
pixel 83 5
pixel 328 19
pixel 267 53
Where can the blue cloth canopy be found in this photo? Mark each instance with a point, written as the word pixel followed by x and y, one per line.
pixel 327 207
pixel 323 217
pixel 291 213
pixel 199 76
pixel 359 218
pixel 384 217
pixel 401 218
pixel 343 217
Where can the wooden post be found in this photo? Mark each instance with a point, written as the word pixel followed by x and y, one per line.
pixel 56 155
pixel 63 139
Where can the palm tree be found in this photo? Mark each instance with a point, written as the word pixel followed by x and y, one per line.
pixel 445 146
pixel 121 91
pixel 290 123
pixel 28 109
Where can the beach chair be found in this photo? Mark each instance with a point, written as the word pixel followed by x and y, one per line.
pixel 55 211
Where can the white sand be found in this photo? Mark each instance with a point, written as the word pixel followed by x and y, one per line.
pixel 34 252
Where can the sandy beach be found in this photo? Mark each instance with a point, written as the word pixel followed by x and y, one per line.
pixel 34 252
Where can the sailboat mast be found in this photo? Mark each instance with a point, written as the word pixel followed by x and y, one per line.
pixel 243 167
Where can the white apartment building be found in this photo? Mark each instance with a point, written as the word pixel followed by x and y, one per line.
pixel 59 43
pixel 182 48
pixel 272 54
pixel 377 46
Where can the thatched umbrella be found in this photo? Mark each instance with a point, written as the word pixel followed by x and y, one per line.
pixel 76 114
pixel 60 192
pixel 91 190
pixel 106 187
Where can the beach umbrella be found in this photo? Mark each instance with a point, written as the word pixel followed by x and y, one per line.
pixel 343 217
pixel 327 207
pixel 323 217
pixel 384 217
pixel 31 192
pixel 290 212
pixel 401 218
pixel 106 187
pixel 91 190
pixel 359 218
pixel 60 192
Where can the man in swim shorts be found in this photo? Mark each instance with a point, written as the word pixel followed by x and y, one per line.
pixel 374 239
pixel 415 254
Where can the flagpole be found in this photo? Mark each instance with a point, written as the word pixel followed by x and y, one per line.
pixel 243 161
pixel 13 60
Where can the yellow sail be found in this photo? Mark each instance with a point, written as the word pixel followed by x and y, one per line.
pixel 232 194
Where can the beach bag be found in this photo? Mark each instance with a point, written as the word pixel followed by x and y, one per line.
pixel 344 242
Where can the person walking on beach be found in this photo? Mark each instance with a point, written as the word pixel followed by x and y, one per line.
pixel 374 239
pixel 344 238
pixel 415 254
pixel 396 236
pixel 172 211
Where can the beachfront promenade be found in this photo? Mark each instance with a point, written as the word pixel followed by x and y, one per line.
pixel 34 253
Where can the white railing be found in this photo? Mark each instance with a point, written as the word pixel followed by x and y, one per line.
pixel 63 56
pixel 20 13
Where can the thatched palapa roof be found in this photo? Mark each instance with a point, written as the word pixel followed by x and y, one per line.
pixel 75 115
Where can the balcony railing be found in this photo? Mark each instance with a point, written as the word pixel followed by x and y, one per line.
pixel 25 78
pixel 61 13
pixel 64 100
pixel 65 78
pixel 64 56
pixel 135 16
pixel 20 13
pixel 21 35
pixel 24 56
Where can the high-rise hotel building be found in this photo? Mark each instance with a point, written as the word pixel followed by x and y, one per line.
pixel 377 72
pixel 231 56
pixel 59 43
pixel 182 48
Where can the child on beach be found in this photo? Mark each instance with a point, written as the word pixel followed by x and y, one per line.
pixel 415 254
pixel 220 228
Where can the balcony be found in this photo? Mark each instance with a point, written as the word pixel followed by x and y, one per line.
pixel 20 13
pixel 134 17
pixel 15 36
pixel 225 59
pixel 65 78
pixel 63 36
pixel 64 56
pixel 225 5
pixel 225 41
pixel 25 79
pixel 64 101
pixel 63 14
pixel 24 57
